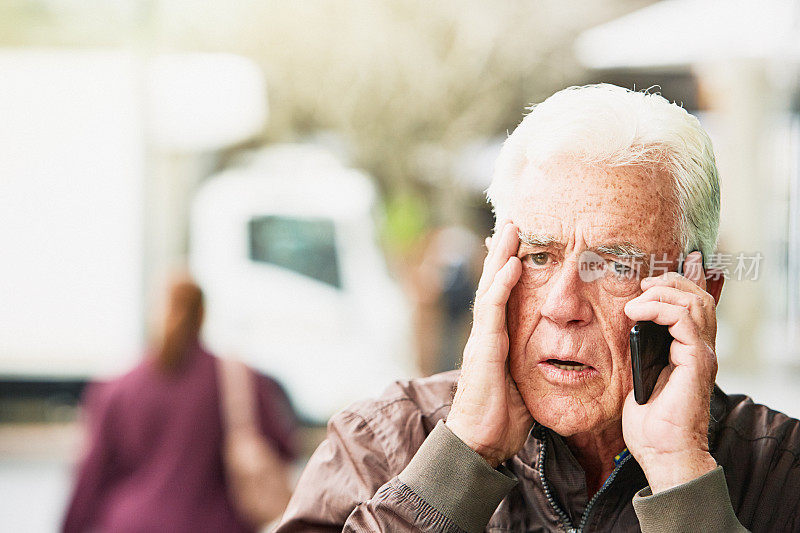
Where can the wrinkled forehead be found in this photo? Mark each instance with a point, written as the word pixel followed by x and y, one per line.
pixel 621 204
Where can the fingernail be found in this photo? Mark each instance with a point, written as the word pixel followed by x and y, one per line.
pixel 695 262
pixel 695 257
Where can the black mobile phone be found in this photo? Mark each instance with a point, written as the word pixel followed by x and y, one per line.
pixel 650 344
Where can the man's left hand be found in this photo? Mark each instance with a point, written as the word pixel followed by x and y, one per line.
pixel 668 435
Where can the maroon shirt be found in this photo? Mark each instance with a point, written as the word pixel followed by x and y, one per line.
pixel 154 460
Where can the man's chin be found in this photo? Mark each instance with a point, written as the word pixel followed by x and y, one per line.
pixel 568 415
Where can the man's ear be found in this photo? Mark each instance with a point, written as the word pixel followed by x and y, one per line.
pixel 715 279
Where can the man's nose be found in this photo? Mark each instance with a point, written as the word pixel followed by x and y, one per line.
pixel 566 303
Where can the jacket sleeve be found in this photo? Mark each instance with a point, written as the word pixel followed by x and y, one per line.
pixel 277 418
pixel 349 485
pixel 702 504
pixel 96 467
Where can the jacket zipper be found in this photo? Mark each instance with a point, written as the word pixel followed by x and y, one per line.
pixel 568 525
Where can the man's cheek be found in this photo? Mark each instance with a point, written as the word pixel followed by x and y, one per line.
pixel 513 308
pixel 521 314
pixel 618 339
pixel 615 326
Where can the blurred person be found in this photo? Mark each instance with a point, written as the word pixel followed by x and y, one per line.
pixel 542 432
pixel 154 460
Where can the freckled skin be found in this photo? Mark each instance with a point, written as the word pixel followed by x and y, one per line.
pixel 583 207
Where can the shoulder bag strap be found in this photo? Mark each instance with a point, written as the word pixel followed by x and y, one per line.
pixel 237 395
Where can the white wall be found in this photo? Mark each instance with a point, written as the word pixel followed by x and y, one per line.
pixel 71 161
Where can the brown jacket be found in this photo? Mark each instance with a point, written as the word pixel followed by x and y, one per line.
pixel 392 465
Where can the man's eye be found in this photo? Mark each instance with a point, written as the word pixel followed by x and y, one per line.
pixel 621 269
pixel 539 259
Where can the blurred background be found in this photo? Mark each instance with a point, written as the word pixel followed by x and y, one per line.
pixel 319 167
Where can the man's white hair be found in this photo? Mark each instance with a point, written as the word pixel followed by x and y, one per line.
pixel 612 126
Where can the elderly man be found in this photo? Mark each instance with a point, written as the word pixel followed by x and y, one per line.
pixel 543 432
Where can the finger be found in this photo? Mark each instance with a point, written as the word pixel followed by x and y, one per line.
pixel 500 224
pixel 689 349
pixel 699 305
pixel 498 228
pixel 505 245
pixel 490 309
pixel 488 241
pixel 673 279
pixel 693 269
pixel 679 319
pixel 487 275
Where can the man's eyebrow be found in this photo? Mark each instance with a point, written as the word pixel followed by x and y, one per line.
pixel 538 239
pixel 622 249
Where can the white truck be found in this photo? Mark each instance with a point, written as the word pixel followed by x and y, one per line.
pixel 285 248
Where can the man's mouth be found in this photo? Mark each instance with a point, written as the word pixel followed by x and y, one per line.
pixel 567 365
pixel 566 372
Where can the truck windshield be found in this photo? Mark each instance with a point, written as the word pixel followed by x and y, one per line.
pixel 303 245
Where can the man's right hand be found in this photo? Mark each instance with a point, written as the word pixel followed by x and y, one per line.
pixel 488 413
